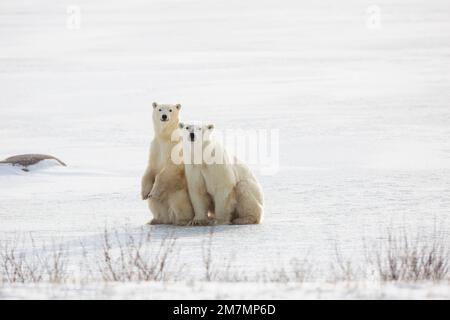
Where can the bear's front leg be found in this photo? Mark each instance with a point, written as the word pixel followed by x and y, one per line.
pixel 161 184
pixel 147 184
pixel 156 191
pixel 201 208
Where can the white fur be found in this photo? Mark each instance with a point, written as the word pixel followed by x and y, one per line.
pixel 235 193
pixel 175 207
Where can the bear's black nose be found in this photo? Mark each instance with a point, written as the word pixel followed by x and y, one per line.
pixel 192 136
pixel 164 117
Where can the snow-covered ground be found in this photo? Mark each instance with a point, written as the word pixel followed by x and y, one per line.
pixel 363 113
pixel 245 291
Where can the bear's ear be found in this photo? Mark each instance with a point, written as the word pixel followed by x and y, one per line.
pixel 178 106
pixel 181 125
pixel 210 126
pixel 154 104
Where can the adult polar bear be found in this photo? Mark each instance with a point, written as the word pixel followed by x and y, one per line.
pixel 175 206
pixel 236 194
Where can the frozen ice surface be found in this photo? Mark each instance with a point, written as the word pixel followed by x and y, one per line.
pixel 363 114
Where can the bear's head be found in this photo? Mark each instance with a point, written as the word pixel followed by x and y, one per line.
pixel 193 132
pixel 165 115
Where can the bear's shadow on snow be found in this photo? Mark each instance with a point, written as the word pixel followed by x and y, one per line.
pixel 162 231
pixel 157 233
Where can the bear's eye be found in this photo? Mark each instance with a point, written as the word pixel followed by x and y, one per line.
pixel 170 110
pixel 187 128
pixel 160 110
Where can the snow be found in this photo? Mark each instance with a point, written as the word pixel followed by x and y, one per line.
pixel 215 290
pixel 363 115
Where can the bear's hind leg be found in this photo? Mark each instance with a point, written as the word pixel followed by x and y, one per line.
pixel 154 221
pixel 181 206
pixel 245 220
pixel 160 211
pixel 249 203
pixel 224 207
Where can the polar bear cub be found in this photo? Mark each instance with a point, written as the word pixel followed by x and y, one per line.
pixel 217 181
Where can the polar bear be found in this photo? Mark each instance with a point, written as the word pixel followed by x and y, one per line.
pixel 174 206
pixel 235 193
